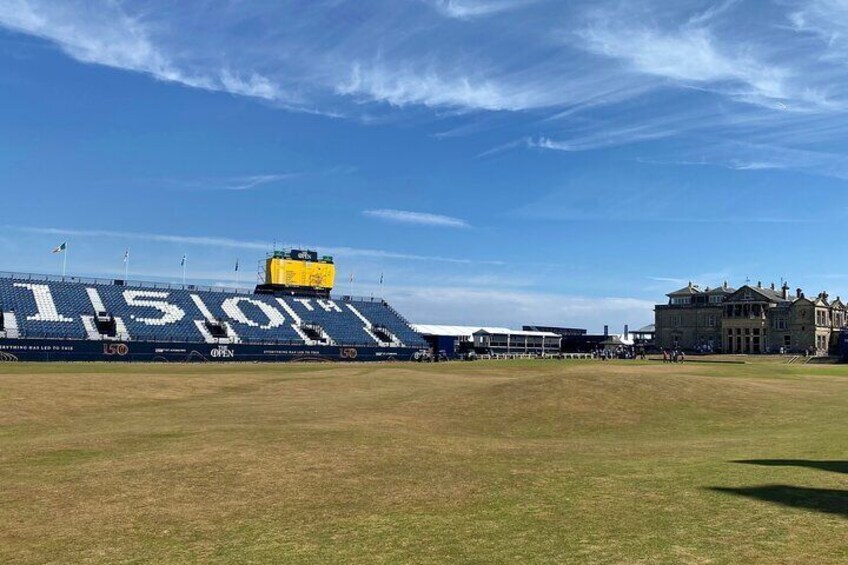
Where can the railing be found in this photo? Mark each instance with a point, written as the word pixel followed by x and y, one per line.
pixel 121 282
pixel 161 285
pixel 348 298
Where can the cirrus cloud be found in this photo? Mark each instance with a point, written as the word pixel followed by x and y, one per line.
pixel 417 218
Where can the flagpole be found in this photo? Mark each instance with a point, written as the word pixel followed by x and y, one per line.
pixel 65 259
pixel 237 273
pixel 126 265
pixel 184 269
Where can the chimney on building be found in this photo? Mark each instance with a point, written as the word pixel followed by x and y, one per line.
pixel 799 293
pixel 725 285
pixel 759 284
pixel 772 286
pixel 626 331
pixel 785 291
pixel 606 331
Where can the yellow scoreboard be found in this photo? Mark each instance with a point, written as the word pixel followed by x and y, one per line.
pixel 303 269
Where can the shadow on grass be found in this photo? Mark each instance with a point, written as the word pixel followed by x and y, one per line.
pixel 828 501
pixel 832 466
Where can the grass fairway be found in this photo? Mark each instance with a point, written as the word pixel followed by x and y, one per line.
pixel 490 462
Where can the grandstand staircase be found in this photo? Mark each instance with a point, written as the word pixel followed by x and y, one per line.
pixel 314 334
pixel 102 326
pixel 97 331
pixel 216 331
pixel 9 325
pixel 318 335
pixel 390 341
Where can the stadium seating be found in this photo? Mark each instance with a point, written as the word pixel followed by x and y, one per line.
pixel 56 309
pixel 381 314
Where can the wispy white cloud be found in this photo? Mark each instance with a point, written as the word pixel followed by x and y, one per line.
pixel 692 56
pixel 417 218
pixel 601 139
pixel 253 181
pixel 746 156
pixel 434 88
pixel 566 76
pixel 231 243
pixel 827 19
pixel 465 9
pixel 104 34
pixel 712 12
pixel 236 183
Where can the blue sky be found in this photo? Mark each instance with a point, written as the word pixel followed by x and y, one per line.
pixel 502 162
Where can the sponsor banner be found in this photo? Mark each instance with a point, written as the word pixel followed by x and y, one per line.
pixel 303 255
pixel 24 349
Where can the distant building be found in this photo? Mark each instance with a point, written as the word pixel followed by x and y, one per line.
pixel 644 336
pixel 752 319
pixel 587 343
pixel 503 340
pixel 455 340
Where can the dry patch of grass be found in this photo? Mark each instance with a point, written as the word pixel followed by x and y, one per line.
pixel 485 462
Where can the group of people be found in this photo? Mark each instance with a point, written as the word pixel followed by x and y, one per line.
pixel 620 352
pixel 673 356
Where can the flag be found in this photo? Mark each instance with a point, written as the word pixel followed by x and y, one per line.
pixel 236 265
pixel 351 277
pixel 126 255
pixel 62 247
pixel 182 261
pixel 381 278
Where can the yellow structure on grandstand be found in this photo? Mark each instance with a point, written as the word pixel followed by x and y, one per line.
pixel 300 269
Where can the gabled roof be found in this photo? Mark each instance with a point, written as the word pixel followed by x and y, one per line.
pixel 820 301
pixel 649 329
pixel 837 303
pixel 761 292
pixel 723 289
pixel 447 331
pixel 688 290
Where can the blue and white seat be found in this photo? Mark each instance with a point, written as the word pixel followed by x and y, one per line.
pixel 59 309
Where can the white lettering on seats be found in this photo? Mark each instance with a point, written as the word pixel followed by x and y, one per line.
pixel 328 305
pixel 96 301
pixel 305 302
pixel 171 313
pixel 231 307
pixel 47 311
pixel 202 307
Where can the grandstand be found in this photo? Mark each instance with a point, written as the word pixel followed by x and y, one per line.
pixel 67 318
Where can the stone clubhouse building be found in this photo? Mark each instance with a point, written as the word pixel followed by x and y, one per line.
pixel 750 319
